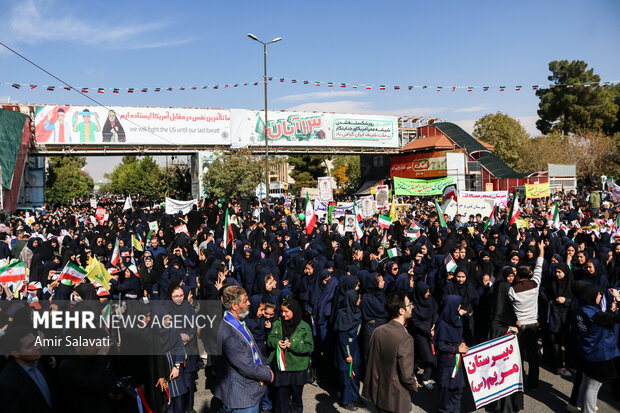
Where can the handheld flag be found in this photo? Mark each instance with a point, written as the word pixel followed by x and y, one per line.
pixel 136 243
pixel 514 210
pixel 13 272
pixel 116 254
pixel 72 272
pixel 442 219
pixel 127 203
pixel 228 232
pixel 96 272
pixel 310 215
pixel 450 263
pixel 394 252
pixel 554 215
pixel 450 192
pixel 384 222
pixel 491 220
pixel 393 216
pixel 384 241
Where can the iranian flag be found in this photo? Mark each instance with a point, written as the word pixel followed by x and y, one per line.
pixel 358 221
pixel 450 192
pixel 310 215
pixel 72 272
pixel 384 222
pixel 514 210
pixel 116 254
pixel 13 272
pixel 450 263
pixel 491 220
pixel 554 215
pixel 280 359
pixel 442 219
pixel 228 232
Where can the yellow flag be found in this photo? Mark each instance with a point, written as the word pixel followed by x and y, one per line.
pixel 393 215
pixel 98 273
pixel 136 243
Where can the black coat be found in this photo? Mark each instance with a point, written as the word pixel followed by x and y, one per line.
pixel 19 393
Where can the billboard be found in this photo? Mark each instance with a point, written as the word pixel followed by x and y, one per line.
pixel 420 165
pixel 312 129
pixel 131 125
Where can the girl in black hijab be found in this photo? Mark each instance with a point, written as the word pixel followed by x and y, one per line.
pixel 423 320
pixel 347 357
pixel 559 292
pixel 460 285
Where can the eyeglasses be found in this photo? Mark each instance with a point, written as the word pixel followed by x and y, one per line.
pixel 409 305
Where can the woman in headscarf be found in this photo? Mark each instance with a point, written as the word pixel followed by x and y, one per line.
pixel 464 288
pixel 423 319
pixel 504 320
pixel 559 292
pixel 598 346
pixel 347 356
pixel 180 308
pixel 291 344
pixel 449 343
pixel 323 308
pixel 594 273
pixel 373 311
pixel 28 251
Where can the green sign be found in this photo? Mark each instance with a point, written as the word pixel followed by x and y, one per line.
pixel 422 187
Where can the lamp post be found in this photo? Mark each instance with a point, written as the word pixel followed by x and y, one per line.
pixel 265 134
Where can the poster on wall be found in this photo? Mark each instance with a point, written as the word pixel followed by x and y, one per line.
pixel 131 125
pixel 421 165
pixel 312 129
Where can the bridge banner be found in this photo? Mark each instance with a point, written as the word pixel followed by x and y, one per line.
pixel 312 129
pixel 89 125
pixel 421 187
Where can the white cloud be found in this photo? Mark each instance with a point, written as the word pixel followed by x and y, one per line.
pixel 318 95
pixel 34 22
pixel 478 108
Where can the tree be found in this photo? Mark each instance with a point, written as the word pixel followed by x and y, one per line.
pixel 179 181
pixel 568 109
pixel 233 174
pixel 137 177
pixel 66 179
pixel 505 134
pixel 593 153
pixel 346 170
pixel 306 170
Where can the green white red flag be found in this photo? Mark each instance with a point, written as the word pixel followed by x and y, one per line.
pixel 116 254
pixel 72 272
pixel 310 215
pixel 514 210
pixel 442 219
pixel 228 232
pixel 13 272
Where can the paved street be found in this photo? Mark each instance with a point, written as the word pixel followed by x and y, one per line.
pixel 552 395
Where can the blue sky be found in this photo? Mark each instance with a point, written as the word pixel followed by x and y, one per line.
pixel 449 43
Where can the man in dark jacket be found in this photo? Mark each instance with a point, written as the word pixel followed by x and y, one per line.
pixel 242 367
pixel 389 373
pixel 24 386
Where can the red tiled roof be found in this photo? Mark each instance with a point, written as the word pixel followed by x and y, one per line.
pixel 431 142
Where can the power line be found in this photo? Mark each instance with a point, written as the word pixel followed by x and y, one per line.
pixel 83 94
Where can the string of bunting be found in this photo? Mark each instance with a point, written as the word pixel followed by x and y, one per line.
pixel 359 86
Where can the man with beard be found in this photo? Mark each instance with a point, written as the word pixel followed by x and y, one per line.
pixel 242 367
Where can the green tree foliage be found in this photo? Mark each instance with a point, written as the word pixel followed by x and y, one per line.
pixel 234 174
pixel 505 134
pixel 306 170
pixel 347 172
pixel 137 177
pixel 569 109
pixel 178 181
pixel 66 180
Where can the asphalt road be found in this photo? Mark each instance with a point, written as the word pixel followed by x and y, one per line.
pixel 552 395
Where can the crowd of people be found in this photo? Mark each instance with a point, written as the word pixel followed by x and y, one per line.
pixel 304 303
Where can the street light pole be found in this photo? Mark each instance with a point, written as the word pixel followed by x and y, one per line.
pixel 265 133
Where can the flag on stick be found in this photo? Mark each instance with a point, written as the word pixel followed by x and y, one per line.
pixel 384 222
pixel 72 272
pixel 310 215
pixel 450 263
pixel 442 219
pixel 13 272
pixel 514 210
